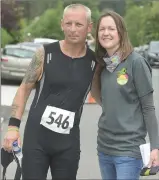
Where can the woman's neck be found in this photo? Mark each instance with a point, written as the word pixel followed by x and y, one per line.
pixel 112 51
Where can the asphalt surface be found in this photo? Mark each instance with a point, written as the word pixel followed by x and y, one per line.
pixel 88 167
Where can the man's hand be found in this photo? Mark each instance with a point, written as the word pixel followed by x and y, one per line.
pixel 11 136
pixel 154 158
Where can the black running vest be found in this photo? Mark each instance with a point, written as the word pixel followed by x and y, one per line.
pixel 65 82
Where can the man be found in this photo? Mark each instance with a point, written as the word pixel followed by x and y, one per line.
pixel 62 73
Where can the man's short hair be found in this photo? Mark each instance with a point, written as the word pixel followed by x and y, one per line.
pixel 74 6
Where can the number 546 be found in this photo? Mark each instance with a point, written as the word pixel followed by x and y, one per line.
pixel 60 121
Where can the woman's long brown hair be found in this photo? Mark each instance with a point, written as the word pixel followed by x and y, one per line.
pixel 125 49
pixel 125 46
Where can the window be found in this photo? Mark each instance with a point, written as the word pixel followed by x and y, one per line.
pixel 17 52
pixel 154 47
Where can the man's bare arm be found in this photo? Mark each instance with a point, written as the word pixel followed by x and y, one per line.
pixel 96 85
pixel 33 74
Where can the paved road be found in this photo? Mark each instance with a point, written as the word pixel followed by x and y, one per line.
pixel 89 163
pixel 88 168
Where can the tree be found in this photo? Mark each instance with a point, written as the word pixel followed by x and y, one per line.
pixel 40 5
pixel 6 37
pixel 10 15
pixel 117 5
pixel 151 28
pixel 48 24
pixel 142 21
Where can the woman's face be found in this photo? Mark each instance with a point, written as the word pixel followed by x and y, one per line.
pixel 107 34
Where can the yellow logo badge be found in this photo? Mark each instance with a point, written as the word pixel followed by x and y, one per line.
pixel 122 77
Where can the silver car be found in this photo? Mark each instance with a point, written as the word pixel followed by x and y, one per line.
pixel 153 53
pixel 15 60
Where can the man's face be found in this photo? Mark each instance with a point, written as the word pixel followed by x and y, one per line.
pixel 76 26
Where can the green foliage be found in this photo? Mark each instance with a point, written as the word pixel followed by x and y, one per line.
pixel 142 22
pixel 34 8
pixel 116 5
pixel 48 24
pixel 43 18
pixel 6 37
pixel 23 23
pixel 11 13
pixel 151 28
pixel 134 22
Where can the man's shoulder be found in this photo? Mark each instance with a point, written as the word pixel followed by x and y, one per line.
pixel 51 46
pixel 91 54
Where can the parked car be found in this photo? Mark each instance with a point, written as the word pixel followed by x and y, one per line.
pixel 15 60
pixel 30 44
pixel 153 53
pixel 44 40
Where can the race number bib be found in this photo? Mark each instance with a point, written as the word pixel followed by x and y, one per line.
pixel 58 120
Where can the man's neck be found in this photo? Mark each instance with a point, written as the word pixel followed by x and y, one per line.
pixel 73 50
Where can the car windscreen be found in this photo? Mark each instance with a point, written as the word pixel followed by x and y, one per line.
pixel 154 47
pixel 17 52
pixel 34 45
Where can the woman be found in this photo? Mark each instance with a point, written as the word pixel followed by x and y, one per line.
pixel 122 85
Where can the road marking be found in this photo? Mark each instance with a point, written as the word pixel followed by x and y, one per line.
pixel 7 94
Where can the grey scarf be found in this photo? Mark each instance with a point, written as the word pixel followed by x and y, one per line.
pixel 112 62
